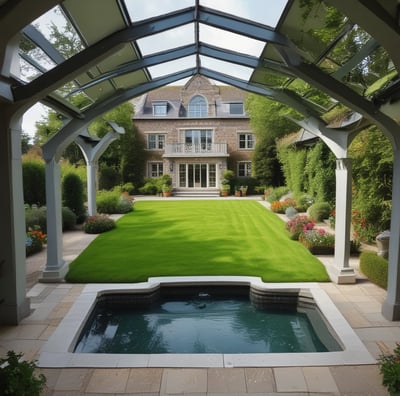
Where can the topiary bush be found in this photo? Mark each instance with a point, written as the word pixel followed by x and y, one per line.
pixel 375 268
pixel 319 211
pixel 98 224
pixel 68 219
pixel 72 194
pixel 34 179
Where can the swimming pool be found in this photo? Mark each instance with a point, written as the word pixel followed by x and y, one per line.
pixel 59 350
pixel 206 319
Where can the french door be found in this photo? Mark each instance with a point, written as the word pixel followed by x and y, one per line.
pixel 197 175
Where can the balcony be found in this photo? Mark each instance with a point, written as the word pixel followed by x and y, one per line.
pixel 175 150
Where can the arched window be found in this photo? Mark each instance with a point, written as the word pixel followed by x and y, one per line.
pixel 198 107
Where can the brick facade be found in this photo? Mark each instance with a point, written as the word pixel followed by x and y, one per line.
pixel 198 123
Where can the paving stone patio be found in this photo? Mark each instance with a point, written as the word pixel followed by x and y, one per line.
pixel 360 304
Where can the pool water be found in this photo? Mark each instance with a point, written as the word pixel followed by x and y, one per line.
pixel 197 324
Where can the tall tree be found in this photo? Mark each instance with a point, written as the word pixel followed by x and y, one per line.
pixel 268 121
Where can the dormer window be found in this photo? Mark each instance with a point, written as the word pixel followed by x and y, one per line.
pixel 198 107
pixel 236 108
pixel 160 108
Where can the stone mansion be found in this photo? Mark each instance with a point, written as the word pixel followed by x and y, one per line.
pixel 194 133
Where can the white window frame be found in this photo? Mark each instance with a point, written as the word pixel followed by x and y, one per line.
pixel 159 171
pixel 159 141
pixel 198 110
pixel 244 169
pixel 160 109
pixel 249 140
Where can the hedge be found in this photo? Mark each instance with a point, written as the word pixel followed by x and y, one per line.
pixel 375 268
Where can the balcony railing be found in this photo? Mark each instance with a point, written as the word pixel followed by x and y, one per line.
pixel 196 150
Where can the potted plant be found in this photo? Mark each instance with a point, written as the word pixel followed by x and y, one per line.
pixel 237 191
pixel 389 367
pixel 167 190
pixel 166 184
pixel 225 189
pixel 243 190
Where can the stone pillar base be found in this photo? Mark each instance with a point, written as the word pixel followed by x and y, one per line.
pixel 54 276
pixel 341 276
pixel 391 311
pixel 12 315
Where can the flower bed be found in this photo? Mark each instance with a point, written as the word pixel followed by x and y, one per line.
pixel 318 241
pixel 35 239
pixel 281 206
pixel 98 224
pixel 298 225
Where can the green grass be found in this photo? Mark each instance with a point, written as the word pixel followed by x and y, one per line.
pixel 172 238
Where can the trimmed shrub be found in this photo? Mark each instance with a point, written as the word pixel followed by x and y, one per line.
pixel 375 268
pixel 98 224
pixel 319 211
pixel 123 206
pixel 35 217
pixel 68 219
pixel 150 187
pixel 72 192
pixel 290 212
pixel 34 179
pixel 107 201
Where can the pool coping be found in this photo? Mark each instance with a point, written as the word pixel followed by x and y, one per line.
pixel 57 351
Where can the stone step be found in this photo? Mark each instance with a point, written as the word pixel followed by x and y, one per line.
pixel 196 193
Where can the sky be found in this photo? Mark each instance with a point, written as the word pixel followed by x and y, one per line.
pixel 262 11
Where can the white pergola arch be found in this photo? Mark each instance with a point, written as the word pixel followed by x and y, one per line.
pixel 110 69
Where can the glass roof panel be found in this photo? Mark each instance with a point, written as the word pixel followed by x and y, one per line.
pixel 139 9
pixel 231 41
pixel 53 22
pixel 313 95
pixel 254 10
pixel 40 58
pixel 169 39
pixel 238 71
pixel 376 65
pixel 27 71
pixel 174 66
pixel 349 45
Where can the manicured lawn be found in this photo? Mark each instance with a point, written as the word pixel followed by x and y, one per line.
pixel 168 238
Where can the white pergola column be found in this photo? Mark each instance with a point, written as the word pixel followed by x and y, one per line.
pixel 342 271
pixel 91 171
pixel 14 305
pixel 92 149
pixel 56 267
pixel 391 306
